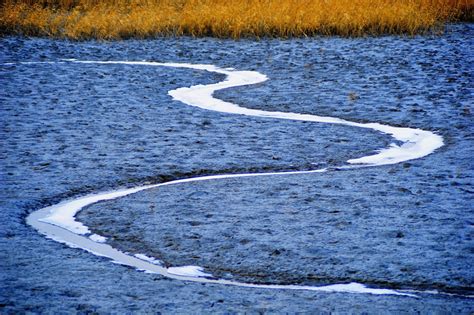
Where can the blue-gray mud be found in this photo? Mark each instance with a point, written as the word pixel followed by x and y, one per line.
pixel 72 129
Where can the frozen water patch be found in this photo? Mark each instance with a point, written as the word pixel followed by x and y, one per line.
pixel 97 238
pixel 189 271
pixel 58 221
pixel 149 259
pixel 63 213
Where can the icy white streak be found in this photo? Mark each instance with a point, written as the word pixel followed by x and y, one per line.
pixel 58 221
pixel 189 271
pixel 416 143
pixel 147 264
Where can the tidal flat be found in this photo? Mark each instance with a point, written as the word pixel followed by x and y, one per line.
pixel 74 129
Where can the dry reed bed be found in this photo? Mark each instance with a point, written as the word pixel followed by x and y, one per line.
pixel 118 19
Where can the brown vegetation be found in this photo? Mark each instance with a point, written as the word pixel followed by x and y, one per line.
pixel 116 19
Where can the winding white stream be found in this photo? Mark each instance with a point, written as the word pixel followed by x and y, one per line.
pixel 58 222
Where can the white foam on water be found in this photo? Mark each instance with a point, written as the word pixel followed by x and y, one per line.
pixel 58 221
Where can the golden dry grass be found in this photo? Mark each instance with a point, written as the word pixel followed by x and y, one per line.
pixel 117 19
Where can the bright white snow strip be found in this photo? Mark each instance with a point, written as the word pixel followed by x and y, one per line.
pixel 58 221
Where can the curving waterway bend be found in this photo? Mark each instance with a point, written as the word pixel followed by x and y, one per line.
pixel 58 221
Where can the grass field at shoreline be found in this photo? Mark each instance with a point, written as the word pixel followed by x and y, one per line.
pixel 120 19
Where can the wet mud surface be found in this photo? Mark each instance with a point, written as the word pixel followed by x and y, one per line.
pixel 70 129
